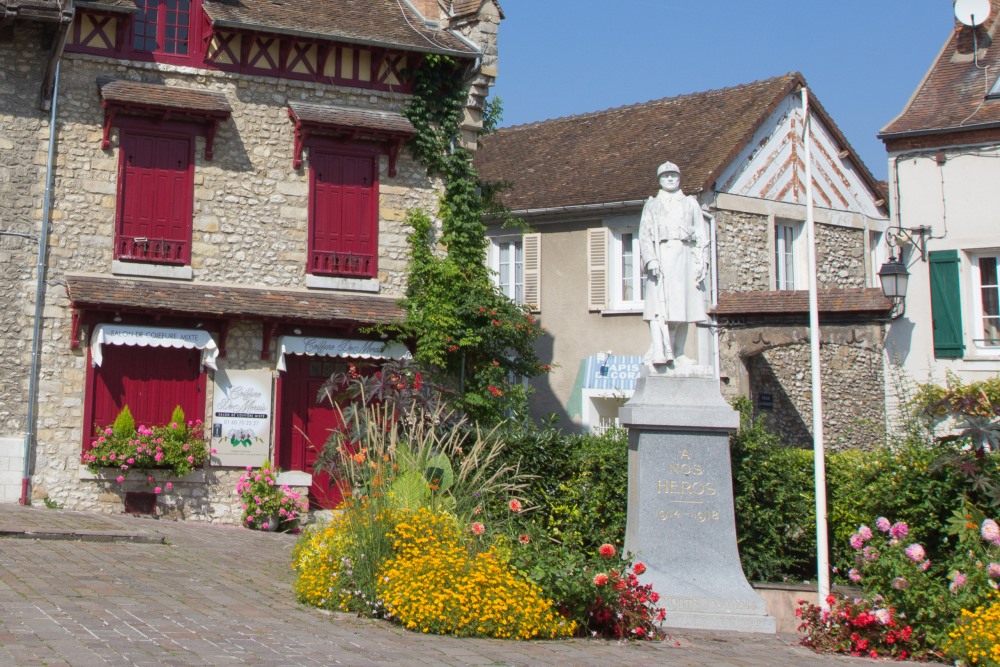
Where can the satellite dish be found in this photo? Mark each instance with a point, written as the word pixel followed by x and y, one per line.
pixel 972 12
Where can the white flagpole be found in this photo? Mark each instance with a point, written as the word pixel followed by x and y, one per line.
pixel 819 455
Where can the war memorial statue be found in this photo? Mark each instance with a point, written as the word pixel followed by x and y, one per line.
pixel 681 521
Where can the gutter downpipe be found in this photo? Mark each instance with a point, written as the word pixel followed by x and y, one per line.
pixel 43 244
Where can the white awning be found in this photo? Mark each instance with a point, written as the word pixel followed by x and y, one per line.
pixel 338 347
pixel 124 334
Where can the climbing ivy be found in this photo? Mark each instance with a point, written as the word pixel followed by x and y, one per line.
pixel 459 321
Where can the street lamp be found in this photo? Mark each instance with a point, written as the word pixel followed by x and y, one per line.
pixel 894 278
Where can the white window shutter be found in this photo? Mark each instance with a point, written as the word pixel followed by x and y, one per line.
pixel 597 268
pixel 532 248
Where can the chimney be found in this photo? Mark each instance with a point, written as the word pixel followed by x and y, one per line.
pixel 430 10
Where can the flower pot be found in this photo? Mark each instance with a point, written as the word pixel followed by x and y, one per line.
pixel 272 521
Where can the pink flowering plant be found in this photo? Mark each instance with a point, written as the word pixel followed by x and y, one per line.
pixel 178 446
pixel 929 595
pixel 266 504
pixel 858 627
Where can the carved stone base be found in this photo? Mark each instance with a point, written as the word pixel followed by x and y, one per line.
pixel 681 522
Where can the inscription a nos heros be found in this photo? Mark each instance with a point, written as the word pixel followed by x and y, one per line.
pixel 685 496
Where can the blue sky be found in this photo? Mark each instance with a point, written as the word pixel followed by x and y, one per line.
pixel 861 58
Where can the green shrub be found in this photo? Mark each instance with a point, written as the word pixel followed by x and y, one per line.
pixel 774 497
pixel 578 486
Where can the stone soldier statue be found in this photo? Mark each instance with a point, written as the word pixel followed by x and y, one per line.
pixel 674 246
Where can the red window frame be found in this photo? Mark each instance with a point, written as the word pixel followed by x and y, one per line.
pixel 343 209
pixel 152 381
pixel 155 192
pixel 165 31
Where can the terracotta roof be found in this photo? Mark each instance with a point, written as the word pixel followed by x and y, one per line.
pixel 376 22
pixel 611 156
pixel 951 96
pixel 212 300
pixel 366 119
pixel 846 301
pixel 465 7
pixel 156 95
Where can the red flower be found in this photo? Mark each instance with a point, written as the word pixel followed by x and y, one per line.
pixel 478 528
pixel 638 568
pixel 515 505
pixel 600 579
pixel 607 551
pixel 417 382
pixel 495 391
pixel 524 539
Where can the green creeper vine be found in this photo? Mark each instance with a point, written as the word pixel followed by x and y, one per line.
pixel 459 321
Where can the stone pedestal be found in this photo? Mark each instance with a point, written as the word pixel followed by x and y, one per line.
pixel 681 522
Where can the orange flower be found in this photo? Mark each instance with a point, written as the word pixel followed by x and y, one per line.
pixel 607 551
pixel 600 579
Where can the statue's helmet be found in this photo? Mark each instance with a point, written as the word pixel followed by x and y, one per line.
pixel 666 168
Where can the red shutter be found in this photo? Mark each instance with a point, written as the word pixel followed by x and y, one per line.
pixel 343 221
pixel 151 381
pixel 157 199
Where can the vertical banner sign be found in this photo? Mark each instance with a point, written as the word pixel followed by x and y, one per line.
pixel 241 417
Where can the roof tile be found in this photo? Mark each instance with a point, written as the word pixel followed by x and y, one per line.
pixel 366 119
pixel 611 156
pixel 152 94
pixel 951 94
pixel 213 300
pixel 843 301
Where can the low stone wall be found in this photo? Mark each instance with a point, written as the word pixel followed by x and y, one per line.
pixel 783 599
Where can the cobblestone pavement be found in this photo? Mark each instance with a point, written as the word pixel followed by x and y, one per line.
pixel 85 589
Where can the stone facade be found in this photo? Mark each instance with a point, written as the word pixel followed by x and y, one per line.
pixel 746 253
pixel 23 146
pixel 774 361
pixel 249 228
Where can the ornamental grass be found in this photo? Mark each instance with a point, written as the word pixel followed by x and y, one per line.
pixel 975 638
pixel 437 583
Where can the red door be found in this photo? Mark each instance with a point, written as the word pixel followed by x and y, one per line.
pixel 307 423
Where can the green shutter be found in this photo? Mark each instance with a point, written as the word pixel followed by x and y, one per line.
pixel 946 304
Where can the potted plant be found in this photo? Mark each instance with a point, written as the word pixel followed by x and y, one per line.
pixel 266 504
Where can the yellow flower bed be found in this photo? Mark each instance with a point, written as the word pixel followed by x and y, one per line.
pixel 976 637
pixel 317 560
pixel 436 584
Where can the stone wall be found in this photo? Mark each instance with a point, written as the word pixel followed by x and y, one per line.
pixel 775 360
pixel 250 218
pixel 746 253
pixel 23 147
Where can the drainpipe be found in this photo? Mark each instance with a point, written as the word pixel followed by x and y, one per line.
pixel 43 245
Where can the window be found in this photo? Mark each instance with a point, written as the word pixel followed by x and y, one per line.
pixel 151 381
pixel 163 27
pixel 343 210
pixel 786 256
pixel 626 274
pixel 986 301
pixel 155 190
pixel 508 267
pixel 515 262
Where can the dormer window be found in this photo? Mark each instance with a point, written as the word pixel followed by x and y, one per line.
pixel 163 27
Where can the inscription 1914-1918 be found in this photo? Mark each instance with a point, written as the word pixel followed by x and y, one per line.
pixel 686 497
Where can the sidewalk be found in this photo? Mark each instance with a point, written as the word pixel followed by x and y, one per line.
pixel 85 589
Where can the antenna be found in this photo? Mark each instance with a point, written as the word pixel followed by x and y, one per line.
pixel 972 12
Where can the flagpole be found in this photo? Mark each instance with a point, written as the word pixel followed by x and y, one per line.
pixel 819 454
